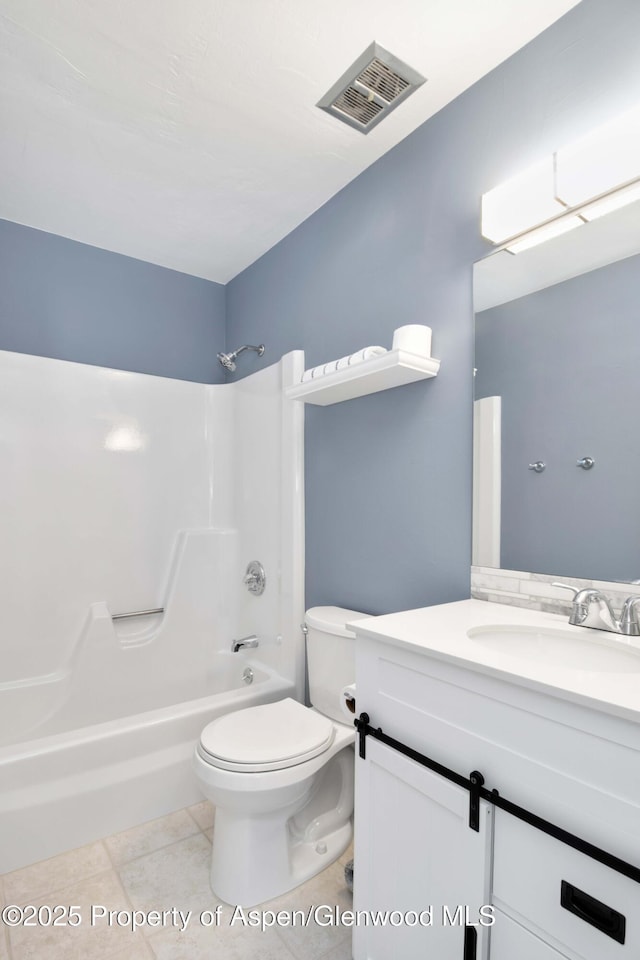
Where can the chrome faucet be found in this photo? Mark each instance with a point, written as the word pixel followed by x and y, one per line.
pixel 591 608
pixel 629 618
pixel 245 642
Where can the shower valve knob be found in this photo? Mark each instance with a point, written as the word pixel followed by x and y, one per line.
pixel 255 578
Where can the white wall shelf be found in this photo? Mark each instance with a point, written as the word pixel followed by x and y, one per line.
pixel 392 369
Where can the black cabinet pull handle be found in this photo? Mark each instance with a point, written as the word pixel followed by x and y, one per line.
pixel 598 914
pixel 470 943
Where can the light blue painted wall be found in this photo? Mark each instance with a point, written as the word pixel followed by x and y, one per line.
pixel 388 477
pixel 566 363
pixel 67 300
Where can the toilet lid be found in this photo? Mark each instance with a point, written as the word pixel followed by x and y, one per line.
pixel 268 737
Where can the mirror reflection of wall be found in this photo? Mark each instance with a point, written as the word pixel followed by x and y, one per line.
pixel 565 361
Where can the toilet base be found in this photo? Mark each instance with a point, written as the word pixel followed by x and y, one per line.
pixel 306 857
pixel 275 829
pixel 260 854
pixel 238 882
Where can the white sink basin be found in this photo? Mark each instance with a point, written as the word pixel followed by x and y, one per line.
pixel 602 653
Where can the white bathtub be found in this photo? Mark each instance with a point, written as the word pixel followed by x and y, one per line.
pixel 70 788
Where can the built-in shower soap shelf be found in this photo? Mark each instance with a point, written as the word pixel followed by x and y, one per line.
pixel 392 369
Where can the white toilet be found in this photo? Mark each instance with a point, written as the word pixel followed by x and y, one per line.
pixel 281 776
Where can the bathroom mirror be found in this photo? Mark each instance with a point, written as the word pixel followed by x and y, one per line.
pixel 557 381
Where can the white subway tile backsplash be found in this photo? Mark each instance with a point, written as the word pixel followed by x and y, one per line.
pixel 521 588
pixel 511 584
pixel 541 588
pixel 552 606
pixel 484 592
pixel 514 600
pixel 518 574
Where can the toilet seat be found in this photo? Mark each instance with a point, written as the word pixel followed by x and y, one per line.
pixel 272 736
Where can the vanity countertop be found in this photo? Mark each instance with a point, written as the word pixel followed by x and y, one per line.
pixel 442 632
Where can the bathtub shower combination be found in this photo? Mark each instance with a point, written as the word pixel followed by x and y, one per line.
pixel 130 494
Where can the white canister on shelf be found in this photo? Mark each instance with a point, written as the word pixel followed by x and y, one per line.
pixel 414 338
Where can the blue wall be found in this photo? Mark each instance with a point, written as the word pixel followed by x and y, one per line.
pixel 565 362
pixel 63 299
pixel 388 477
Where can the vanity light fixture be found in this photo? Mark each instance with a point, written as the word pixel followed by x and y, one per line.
pixel 604 160
pixel 547 231
pixel 595 175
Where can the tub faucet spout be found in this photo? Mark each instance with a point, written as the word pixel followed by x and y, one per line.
pixel 250 641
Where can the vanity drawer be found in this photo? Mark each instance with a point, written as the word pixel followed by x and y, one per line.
pixel 564 896
pixel 510 941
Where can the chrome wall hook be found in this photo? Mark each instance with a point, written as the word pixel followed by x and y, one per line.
pixel 538 466
pixel 585 462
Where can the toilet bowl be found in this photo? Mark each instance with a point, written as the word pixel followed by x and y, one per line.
pixel 281 776
pixel 276 826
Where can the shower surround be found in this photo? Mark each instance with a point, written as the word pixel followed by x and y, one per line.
pixel 123 492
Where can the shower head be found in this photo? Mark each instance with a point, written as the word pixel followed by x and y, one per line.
pixel 228 360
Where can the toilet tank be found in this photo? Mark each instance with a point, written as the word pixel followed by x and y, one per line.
pixel 330 657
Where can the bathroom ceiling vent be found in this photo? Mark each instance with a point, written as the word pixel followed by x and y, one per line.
pixel 371 88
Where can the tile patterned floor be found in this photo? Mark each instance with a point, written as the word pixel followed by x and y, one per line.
pixel 159 866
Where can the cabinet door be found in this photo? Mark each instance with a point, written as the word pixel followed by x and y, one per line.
pixel 415 854
pixel 510 941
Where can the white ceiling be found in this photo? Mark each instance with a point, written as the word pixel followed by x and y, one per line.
pixel 186 133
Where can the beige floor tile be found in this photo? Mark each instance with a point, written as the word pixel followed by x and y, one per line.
pixel 61 871
pixel 176 876
pixel 327 890
pixel 139 951
pixel 164 864
pixel 150 836
pixel 223 942
pixel 4 945
pixel 341 952
pixel 347 855
pixel 203 814
pixel 89 940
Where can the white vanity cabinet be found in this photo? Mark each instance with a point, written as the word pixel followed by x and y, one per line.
pixel 567 759
pixel 412 838
pixel 534 875
pixel 510 941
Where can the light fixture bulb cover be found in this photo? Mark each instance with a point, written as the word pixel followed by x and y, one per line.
pixel 617 200
pixel 605 159
pixel 544 233
pixel 595 175
pixel 520 203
